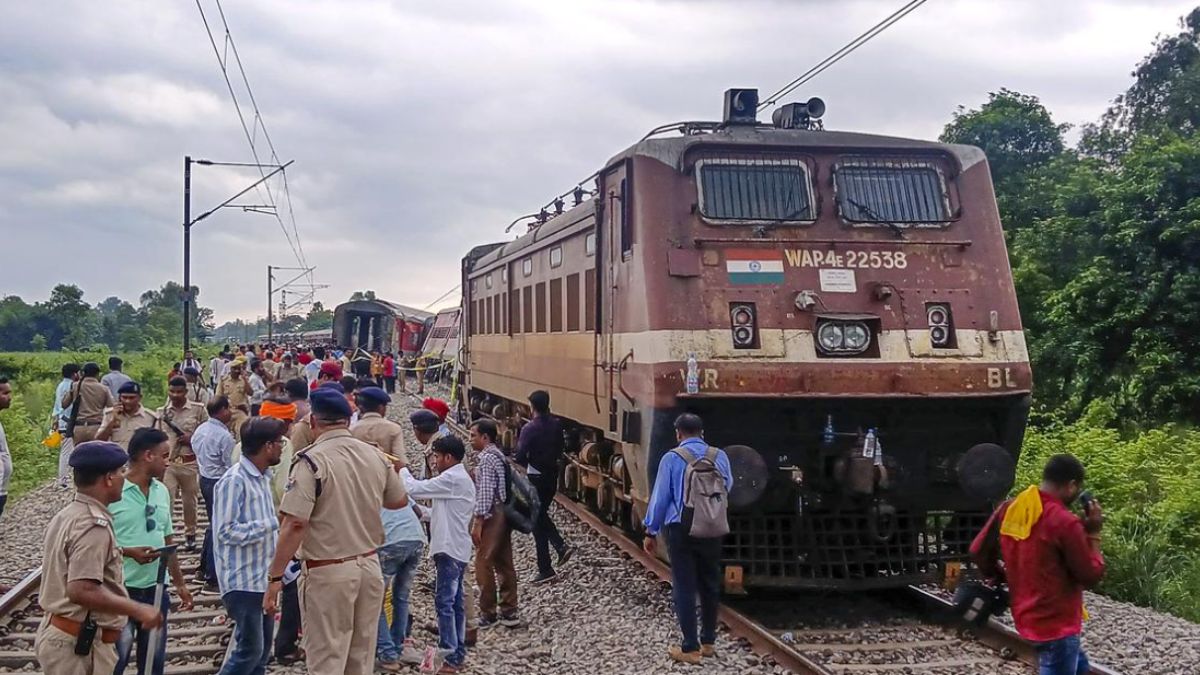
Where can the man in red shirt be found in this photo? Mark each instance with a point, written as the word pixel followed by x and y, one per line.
pixel 1048 556
pixel 389 372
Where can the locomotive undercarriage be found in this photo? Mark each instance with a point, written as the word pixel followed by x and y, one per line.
pixel 818 516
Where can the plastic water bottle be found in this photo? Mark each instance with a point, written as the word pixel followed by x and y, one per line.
pixel 828 437
pixel 693 374
pixel 869 444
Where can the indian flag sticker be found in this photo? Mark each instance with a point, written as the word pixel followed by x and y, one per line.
pixel 749 267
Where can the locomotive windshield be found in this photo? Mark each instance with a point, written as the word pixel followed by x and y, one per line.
pixel 762 190
pixel 891 192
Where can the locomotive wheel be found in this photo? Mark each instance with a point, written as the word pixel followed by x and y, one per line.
pixel 606 503
pixel 570 482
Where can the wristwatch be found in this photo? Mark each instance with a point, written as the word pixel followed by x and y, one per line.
pixel 275 580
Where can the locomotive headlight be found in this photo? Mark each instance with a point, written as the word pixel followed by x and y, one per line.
pixel 831 336
pixel 857 337
pixel 843 337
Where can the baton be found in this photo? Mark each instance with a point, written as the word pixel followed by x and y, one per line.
pixel 160 585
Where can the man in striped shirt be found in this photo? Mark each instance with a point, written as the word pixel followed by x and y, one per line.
pixel 491 532
pixel 245 523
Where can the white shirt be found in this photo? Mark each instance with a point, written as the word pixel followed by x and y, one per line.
pixel 453 495
pixel 258 389
pixel 6 467
pixel 312 370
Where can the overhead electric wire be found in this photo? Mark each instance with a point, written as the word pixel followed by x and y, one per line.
pixel 842 53
pixel 266 134
pixel 251 136
pixel 442 297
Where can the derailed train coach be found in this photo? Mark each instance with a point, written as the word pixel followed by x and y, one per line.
pixel 845 303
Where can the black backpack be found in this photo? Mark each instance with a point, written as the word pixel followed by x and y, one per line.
pixel 521 501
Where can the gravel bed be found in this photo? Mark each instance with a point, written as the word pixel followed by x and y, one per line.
pixel 1133 640
pixel 23 528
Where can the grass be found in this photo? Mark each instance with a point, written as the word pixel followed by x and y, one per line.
pixel 34 376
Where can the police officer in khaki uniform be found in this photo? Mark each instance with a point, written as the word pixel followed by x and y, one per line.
pixel 301 434
pixel 373 427
pixel 236 387
pixel 331 516
pixel 83 582
pixel 126 417
pixel 179 418
pixel 197 392
pixel 93 398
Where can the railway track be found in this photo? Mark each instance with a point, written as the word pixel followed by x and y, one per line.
pixel 196 639
pixel 919 636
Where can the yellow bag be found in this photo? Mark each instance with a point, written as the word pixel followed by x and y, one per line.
pixel 54 440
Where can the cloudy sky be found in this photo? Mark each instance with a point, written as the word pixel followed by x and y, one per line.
pixel 422 128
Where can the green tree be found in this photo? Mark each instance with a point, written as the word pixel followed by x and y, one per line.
pixel 1023 146
pixel 1165 95
pixel 75 321
pixel 1118 285
pixel 318 318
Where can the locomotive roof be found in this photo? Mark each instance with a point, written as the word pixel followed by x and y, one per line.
pixel 549 228
pixel 672 150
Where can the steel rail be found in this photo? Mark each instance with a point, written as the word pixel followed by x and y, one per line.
pixel 19 594
pixel 995 634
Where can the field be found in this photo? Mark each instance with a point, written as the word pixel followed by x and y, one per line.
pixel 34 375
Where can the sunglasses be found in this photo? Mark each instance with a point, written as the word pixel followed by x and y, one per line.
pixel 151 525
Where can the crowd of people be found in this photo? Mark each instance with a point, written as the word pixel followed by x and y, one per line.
pixel 315 516
pixel 311 504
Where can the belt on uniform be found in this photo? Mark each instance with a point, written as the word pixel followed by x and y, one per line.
pixel 87 424
pixel 313 564
pixel 72 627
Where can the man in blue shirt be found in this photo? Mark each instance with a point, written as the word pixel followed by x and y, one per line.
pixel 404 544
pixel 695 562
pixel 212 442
pixel 62 415
pixel 244 523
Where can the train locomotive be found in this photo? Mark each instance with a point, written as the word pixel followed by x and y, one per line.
pixel 838 307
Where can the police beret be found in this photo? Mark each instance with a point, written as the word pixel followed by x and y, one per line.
pixel 98 456
pixel 130 387
pixel 374 395
pixel 336 386
pixel 326 401
pixel 425 421
pixel 191 371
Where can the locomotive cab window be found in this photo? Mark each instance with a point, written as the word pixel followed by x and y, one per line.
pixel 770 190
pixel 895 192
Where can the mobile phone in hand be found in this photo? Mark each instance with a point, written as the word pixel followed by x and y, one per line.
pixel 1085 500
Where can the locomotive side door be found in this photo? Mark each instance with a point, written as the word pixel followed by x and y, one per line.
pixel 614 247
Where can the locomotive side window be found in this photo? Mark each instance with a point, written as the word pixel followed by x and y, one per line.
pixel 541 306
pixel 514 312
pixel 891 192
pixel 589 299
pixel 572 302
pixel 775 190
pixel 556 256
pixel 589 244
pixel 556 305
pixel 527 309
pixel 527 266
